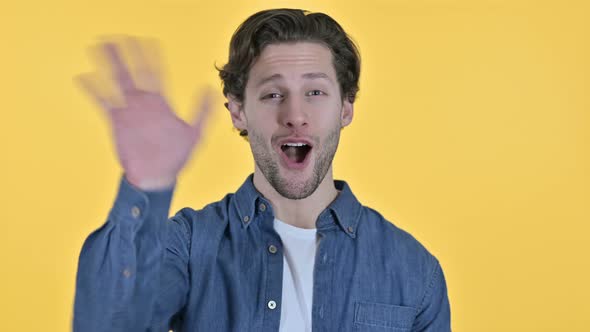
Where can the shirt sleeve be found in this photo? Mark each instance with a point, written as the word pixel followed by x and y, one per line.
pixel 133 270
pixel 434 314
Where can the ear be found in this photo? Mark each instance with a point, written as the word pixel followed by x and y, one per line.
pixel 346 114
pixel 236 111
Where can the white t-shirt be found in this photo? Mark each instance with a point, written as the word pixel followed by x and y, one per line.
pixel 298 260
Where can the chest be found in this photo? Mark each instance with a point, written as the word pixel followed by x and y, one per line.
pixel 237 285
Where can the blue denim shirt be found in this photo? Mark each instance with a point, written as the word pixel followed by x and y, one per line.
pixel 212 269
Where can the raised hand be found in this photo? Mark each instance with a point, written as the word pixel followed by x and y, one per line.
pixel 152 143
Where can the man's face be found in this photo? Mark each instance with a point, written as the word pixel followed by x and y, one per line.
pixel 293 111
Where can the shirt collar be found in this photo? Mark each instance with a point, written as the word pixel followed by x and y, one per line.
pixel 345 210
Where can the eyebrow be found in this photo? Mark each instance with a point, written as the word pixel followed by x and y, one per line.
pixel 279 77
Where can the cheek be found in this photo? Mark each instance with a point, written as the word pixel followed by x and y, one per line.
pixel 327 119
pixel 259 145
pixel 263 127
pixel 260 120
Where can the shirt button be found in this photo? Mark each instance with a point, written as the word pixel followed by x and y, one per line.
pixel 272 249
pixel 272 305
pixel 246 219
pixel 135 212
pixel 262 207
pixel 350 229
pixel 127 273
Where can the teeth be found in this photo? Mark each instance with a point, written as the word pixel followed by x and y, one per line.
pixel 295 144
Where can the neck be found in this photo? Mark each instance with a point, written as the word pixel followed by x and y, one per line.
pixel 301 213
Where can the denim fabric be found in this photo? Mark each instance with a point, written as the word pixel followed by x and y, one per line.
pixel 214 269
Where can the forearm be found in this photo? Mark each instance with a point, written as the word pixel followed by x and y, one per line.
pixel 121 262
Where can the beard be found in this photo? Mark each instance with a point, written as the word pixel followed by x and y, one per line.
pixel 298 188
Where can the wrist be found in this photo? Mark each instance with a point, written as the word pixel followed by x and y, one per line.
pixel 155 184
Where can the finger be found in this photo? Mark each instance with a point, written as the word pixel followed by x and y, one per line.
pixel 120 70
pixel 89 84
pixel 146 74
pixel 202 111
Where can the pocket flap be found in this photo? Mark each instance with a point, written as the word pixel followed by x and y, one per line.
pixel 384 315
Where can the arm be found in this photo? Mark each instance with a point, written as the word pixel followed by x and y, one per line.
pixel 434 314
pixel 132 272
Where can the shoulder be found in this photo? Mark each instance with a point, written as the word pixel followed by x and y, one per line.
pixel 398 244
pixel 211 217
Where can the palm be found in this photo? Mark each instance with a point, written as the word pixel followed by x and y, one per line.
pixel 152 143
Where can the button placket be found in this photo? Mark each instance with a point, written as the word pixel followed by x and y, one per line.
pixel 274 268
pixel 323 287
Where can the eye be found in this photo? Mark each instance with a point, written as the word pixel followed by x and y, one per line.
pixel 273 95
pixel 315 93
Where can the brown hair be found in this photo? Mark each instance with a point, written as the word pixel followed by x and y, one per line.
pixel 286 26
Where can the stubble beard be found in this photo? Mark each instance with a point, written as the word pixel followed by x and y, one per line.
pixel 295 188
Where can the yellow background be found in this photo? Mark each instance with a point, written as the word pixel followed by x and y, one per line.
pixel 472 132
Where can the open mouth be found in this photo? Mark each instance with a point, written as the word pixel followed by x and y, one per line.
pixel 296 152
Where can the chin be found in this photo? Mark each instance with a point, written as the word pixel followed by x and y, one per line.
pixel 295 192
pixel 296 184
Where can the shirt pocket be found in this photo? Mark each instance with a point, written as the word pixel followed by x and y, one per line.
pixel 375 317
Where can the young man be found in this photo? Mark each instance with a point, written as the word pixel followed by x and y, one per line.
pixel 292 249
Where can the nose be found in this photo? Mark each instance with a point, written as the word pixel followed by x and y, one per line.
pixel 292 114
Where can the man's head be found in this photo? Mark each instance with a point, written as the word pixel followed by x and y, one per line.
pixel 291 81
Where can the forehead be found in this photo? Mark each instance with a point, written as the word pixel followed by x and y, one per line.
pixel 292 60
